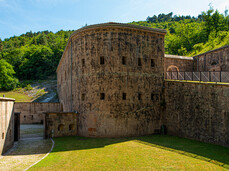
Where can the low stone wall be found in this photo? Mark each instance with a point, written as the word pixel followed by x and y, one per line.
pixel 214 60
pixel 32 113
pixel 60 124
pixel 144 121
pixel 6 124
pixel 178 63
pixel 197 111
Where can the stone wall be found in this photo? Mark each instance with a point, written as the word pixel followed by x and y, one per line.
pixel 215 60
pixel 6 124
pixel 178 63
pixel 60 124
pixel 197 111
pixel 107 73
pixel 33 113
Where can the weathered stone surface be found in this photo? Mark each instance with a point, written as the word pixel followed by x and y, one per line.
pixel 178 63
pixel 6 124
pixel 60 124
pixel 34 112
pixel 215 60
pixel 83 78
pixel 197 111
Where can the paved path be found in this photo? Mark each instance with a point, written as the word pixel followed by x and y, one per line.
pixel 27 151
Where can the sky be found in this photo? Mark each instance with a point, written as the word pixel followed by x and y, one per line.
pixel 20 16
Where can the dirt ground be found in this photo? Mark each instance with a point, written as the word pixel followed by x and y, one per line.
pixel 31 148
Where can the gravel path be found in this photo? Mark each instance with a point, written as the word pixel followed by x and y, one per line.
pixel 27 151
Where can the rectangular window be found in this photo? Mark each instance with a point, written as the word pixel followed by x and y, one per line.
pixel 102 96
pixel 155 97
pixel 152 96
pixel 83 62
pixel 139 96
pixel 102 60
pixel 83 97
pixel 124 60
pixel 3 135
pixel 139 62
pixel 152 63
pixel 123 96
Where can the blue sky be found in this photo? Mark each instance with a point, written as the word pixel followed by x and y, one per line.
pixel 20 16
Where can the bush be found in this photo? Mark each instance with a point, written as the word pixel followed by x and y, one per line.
pixel 28 87
pixel 7 79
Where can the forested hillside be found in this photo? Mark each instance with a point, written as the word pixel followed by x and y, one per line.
pixel 190 36
pixel 34 56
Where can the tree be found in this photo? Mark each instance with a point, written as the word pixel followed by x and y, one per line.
pixel 1 45
pixel 7 79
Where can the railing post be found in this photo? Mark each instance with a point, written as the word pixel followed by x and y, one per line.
pixel 177 75
pixel 209 76
pixel 171 75
pixel 192 76
pixel 200 75
pixel 184 75
pixel 220 76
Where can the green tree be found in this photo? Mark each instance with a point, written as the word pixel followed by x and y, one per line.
pixel 7 79
pixel 1 45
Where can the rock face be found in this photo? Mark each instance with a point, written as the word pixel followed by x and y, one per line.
pixel 110 74
pixel 6 124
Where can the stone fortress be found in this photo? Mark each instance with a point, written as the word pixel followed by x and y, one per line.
pixel 111 74
pixel 111 83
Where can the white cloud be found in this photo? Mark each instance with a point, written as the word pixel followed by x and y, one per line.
pixel 221 5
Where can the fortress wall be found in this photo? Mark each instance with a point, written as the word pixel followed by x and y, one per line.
pixel 6 124
pixel 59 124
pixel 215 60
pixel 113 116
pixel 183 64
pixel 198 111
pixel 32 113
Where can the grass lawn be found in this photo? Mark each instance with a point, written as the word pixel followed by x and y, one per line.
pixel 18 96
pixel 155 152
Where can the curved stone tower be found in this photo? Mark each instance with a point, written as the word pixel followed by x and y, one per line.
pixel 112 75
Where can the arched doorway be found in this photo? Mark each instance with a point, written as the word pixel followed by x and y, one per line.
pixel 172 72
pixel 172 68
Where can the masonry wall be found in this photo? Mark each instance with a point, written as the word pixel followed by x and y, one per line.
pixel 33 113
pixel 113 115
pixel 59 124
pixel 178 63
pixel 198 111
pixel 6 124
pixel 215 60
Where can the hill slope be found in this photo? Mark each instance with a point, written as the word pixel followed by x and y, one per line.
pixel 35 56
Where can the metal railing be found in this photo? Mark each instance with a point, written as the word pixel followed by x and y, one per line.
pixel 209 76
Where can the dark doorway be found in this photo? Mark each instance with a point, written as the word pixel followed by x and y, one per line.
pixel 16 126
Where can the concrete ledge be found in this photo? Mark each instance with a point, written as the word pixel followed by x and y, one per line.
pixel 6 99
pixel 62 113
pixel 178 57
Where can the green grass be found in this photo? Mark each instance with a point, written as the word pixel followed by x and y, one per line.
pixel 154 152
pixel 18 96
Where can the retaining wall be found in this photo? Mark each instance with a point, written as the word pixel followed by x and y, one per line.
pixel 6 124
pixel 197 111
pixel 33 113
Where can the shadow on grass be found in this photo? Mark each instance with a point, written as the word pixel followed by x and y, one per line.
pixel 215 154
